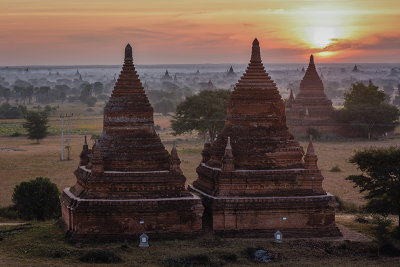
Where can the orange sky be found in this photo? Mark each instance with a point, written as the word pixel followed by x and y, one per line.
pixel 54 32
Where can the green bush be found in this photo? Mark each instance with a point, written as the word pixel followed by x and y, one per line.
pixel 37 199
pixel 9 212
pixel 100 256
pixel 336 168
pixel 345 206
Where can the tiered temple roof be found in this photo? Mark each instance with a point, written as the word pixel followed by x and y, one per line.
pixel 311 96
pixel 129 140
pixel 256 123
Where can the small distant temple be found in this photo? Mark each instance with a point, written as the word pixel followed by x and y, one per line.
pixel 310 108
pixel 355 69
pixel 210 86
pixel 255 178
pixel 166 76
pixel 230 72
pixel 128 184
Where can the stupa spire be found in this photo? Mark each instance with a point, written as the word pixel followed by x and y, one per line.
pixel 310 159
pixel 228 161
pixel 311 59
pixel 175 162
pixel 290 100
pixel 128 52
pixel 206 150
pixel 128 116
pixel 255 51
pixel 84 156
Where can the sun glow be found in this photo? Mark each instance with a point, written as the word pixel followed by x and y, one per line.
pixel 322 36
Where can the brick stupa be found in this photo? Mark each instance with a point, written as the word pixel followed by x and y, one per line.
pixel 255 179
pixel 311 108
pixel 128 184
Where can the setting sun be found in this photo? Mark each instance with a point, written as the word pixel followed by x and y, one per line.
pixel 322 36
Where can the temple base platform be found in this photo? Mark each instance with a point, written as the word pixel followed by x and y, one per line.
pixel 261 217
pixel 91 220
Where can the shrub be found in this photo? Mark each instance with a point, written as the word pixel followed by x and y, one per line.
pixel 15 134
pixel 346 206
pixel 37 199
pixel 336 168
pixel 100 256
pixel 9 212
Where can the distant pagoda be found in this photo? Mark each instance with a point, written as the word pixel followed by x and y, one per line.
pixel 128 184
pixel 210 86
pixel 254 179
pixel 166 76
pixel 230 72
pixel 311 108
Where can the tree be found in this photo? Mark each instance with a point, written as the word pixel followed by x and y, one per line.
pixel 7 94
pixel 380 178
pixel 365 110
pixel 37 199
pixel 36 124
pixel 203 112
pixel 164 106
pixel 98 88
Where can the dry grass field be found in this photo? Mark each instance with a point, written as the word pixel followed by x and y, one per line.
pixel 22 159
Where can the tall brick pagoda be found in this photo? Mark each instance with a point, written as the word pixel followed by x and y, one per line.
pixel 310 108
pixel 128 184
pixel 255 179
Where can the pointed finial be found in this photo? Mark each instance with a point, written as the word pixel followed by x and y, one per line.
pixel 228 144
pixel 85 143
pixel 173 151
pixel 255 42
pixel 310 148
pixel 174 160
pixel 311 59
pixel 128 51
pixel 255 51
pixel 207 141
pixel 228 164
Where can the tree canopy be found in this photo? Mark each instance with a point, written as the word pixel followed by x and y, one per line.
pixel 36 124
pixel 37 199
pixel 366 111
pixel 204 112
pixel 380 178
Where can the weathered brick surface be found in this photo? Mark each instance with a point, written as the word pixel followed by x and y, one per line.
pixel 269 180
pixel 128 176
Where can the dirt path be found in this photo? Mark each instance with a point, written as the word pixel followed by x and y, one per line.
pixel 12 224
pixel 352 235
